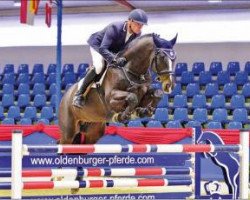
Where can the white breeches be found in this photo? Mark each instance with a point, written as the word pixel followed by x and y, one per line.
pixel 97 60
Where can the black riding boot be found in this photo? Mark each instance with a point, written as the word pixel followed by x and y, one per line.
pixel 79 99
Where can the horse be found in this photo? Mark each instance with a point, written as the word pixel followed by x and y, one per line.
pixel 228 163
pixel 124 93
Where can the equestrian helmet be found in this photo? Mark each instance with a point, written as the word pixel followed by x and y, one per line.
pixel 139 16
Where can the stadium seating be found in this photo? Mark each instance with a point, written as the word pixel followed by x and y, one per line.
pixel 199 101
pixel 38 68
pixel 135 123
pixel 240 115
pixel 187 77
pixel 229 89
pixel 156 124
pixel 246 90
pixel 51 69
pixel 192 89
pixel 47 113
pixel 68 68
pixel 23 88
pixel 234 125
pixel 220 115
pixel 23 100
pixel 163 102
pixel 237 101
pixel 8 69
pixel 211 89
pixel 22 78
pixel 192 123
pixel 2 116
pixel 181 114
pixel 233 67
pixel 247 67
pixel 200 114
pixel 25 121
pixel 205 77
pixel 40 100
pixel 174 124
pixel 223 77
pixel 82 70
pixel 30 112
pixel 214 125
pixel 218 101
pixel 215 67
pixel 180 100
pixel 161 114
pixel 23 69
pixel 179 68
pixel 241 78
pixel 14 112
pixel 211 98
pixel 198 67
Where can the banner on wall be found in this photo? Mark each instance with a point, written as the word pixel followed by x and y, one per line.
pixel 48 12
pixel 28 10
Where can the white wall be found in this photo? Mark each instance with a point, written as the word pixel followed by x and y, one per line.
pixel 193 27
pixel 203 36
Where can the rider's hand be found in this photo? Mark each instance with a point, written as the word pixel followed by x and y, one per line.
pixel 120 62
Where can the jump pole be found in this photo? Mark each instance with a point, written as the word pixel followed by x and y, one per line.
pixel 16 164
pixel 244 162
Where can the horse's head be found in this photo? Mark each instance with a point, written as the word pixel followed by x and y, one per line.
pixel 163 61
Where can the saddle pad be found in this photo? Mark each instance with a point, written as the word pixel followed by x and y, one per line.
pixel 94 84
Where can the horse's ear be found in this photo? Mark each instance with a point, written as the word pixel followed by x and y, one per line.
pixel 173 41
pixel 156 40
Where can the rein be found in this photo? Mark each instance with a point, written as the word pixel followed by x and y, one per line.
pixel 170 53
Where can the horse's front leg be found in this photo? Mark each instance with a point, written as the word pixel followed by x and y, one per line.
pixel 149 103
pixel 123 103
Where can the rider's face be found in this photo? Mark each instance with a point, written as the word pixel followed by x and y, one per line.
pixel 135 27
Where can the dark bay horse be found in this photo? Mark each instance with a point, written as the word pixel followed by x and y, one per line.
pixel 124 92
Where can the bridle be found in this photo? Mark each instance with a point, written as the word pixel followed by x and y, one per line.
pixel 170 53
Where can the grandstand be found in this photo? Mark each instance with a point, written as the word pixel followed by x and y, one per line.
pixel 211 98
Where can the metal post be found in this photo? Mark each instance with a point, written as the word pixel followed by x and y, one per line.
pixel 58 54
pixel 16 164
pixel 244 162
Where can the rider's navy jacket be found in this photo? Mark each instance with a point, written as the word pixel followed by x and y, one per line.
pixel 110 40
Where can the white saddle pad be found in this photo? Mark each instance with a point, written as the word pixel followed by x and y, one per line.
pixel 93 85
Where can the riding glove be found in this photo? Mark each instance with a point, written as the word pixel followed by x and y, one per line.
pixel 120 62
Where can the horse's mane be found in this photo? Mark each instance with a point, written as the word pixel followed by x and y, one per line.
pixel 132 43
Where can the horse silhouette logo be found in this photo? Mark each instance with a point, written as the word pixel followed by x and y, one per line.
pixel 228 163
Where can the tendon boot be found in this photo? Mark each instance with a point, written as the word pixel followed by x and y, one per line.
pixel 79 99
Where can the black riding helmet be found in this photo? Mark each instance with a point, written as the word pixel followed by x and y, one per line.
pixel 139 16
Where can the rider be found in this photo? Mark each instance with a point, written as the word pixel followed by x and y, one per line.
pixel 106 43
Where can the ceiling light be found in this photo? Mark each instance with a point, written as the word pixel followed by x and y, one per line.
pixel 214 1
pixel 17 3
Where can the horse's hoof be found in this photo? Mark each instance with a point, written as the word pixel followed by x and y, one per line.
pixel 123 117
pixel 144 112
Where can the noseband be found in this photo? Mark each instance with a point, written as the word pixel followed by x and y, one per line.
pixel 170 53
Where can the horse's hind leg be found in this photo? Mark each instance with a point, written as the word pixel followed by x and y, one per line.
pixel 91 132
pixel 68 128
pixel 94 132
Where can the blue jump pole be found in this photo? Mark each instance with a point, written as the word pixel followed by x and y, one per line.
pixel 58 54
